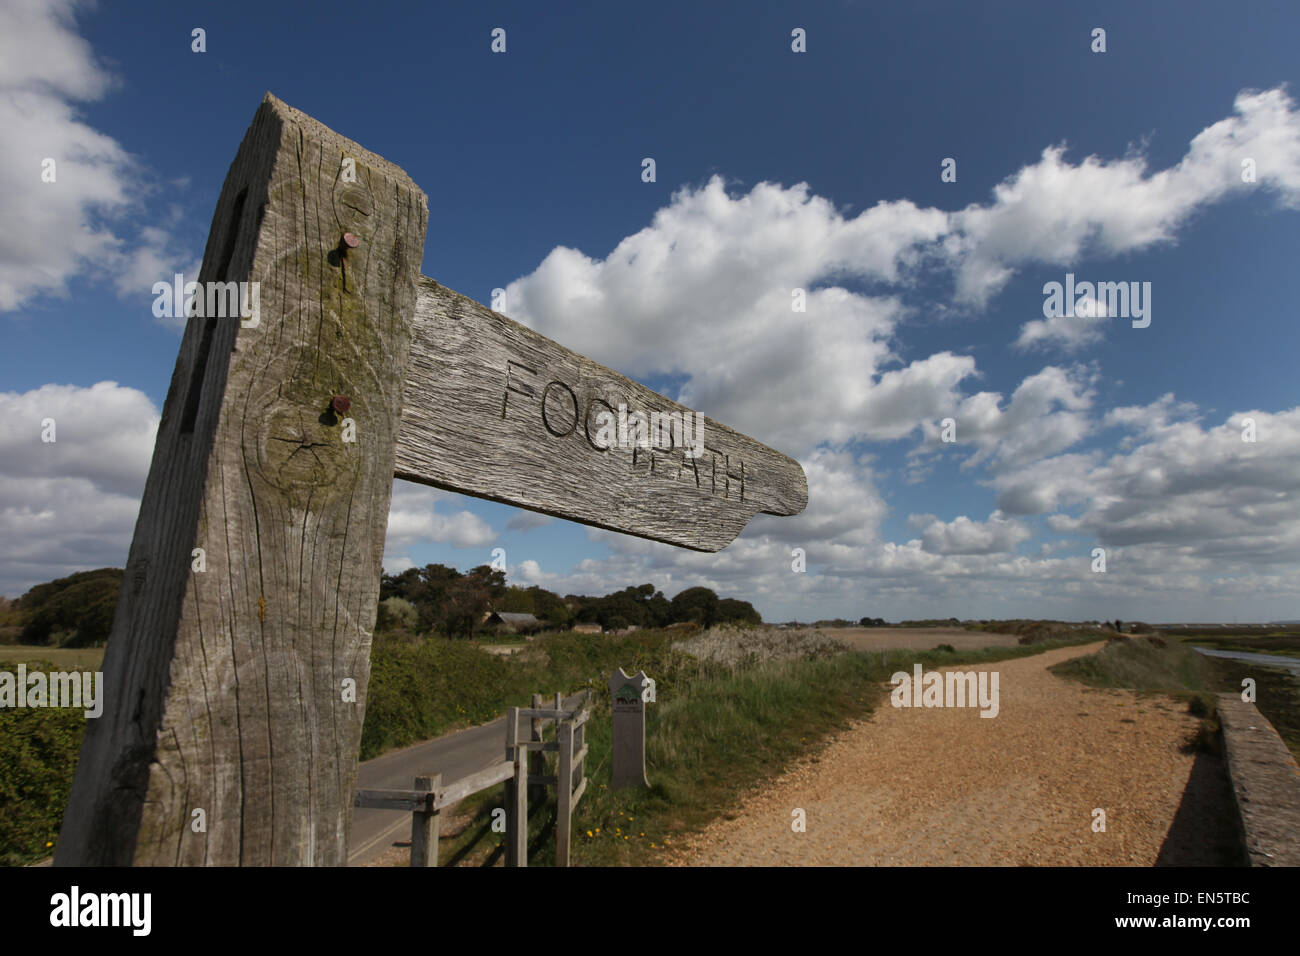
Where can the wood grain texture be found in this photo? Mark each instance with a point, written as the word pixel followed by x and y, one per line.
pixel 516 794
pixel 426 826
pixel 462 788
pixel 225 687
pixel 496 410
pixel 564 793
pixel 536 759
pixel 418 799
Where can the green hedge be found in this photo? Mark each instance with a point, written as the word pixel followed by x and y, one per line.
pixel 38 757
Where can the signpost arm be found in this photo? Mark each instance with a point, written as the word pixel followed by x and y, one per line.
pixel 499 411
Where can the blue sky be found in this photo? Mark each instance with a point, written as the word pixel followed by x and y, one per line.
pixel 774 170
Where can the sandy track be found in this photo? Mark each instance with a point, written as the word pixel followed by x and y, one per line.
pixel 943 786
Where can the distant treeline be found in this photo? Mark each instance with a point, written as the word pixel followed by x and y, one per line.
pixel 77 611
pixel 439 599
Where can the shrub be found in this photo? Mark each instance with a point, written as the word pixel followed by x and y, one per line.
pixel 39 748
pixel 396 613
pixel 733 646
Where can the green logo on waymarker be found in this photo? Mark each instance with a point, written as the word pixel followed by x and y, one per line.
pixel 627 694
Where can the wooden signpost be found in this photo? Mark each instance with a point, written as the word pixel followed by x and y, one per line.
pixel 239 658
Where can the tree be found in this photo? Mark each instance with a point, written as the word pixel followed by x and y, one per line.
pixel 660 610
pixel 399 585
pixel 79 609
pixel 468 599
pixel 697 604
pixel 429 589
pixel 733 611
pixel 517 600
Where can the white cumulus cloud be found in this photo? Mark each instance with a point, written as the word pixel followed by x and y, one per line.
pixel 91 219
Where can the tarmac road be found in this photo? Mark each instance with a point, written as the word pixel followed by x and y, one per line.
pixel 454 755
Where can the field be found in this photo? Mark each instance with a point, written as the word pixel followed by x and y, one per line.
pixel 66 658
pixel 918 639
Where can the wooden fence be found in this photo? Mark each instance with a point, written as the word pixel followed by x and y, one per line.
pixel 522 772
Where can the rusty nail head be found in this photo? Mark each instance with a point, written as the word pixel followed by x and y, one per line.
pixel 341 404
pixel 350 240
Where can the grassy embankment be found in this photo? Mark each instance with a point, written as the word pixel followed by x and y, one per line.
pixel 1277 690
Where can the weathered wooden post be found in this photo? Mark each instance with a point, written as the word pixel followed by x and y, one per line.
pixel 563 791
pixel 536 759
pixel 627 750
pixel 235 694
pixel 236 685
pixel 516 794
pixel 570 764
pixel 580 740
pixel 426 824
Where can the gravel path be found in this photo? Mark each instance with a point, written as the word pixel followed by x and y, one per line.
pixel 944 786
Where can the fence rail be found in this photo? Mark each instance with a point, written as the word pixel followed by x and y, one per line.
pixel 522 772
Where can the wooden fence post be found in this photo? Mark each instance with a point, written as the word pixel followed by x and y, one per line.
pixel 579 740
pixel 242 687
pixel 516 795
pixel 425 824
pixel 536 759
pixel 564 792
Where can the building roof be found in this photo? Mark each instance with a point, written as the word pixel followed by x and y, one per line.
pixel 510 617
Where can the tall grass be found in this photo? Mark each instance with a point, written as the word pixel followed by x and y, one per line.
pixel 737 647
pixel 1149 663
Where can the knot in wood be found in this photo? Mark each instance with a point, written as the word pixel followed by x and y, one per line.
pixel 300 453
